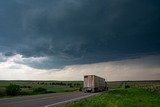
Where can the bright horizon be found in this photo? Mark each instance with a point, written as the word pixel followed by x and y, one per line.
pixel 131 69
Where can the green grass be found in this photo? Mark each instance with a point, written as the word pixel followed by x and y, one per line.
pixel 48 85
pixel 121 98
pixel 56 88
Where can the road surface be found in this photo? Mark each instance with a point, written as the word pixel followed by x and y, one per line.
pixel 45 100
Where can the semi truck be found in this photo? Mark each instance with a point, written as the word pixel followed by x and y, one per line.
pixel 93 83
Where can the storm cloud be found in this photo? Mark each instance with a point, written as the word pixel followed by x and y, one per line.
pixel 69 32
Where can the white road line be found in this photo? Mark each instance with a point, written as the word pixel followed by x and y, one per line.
pixel 71 100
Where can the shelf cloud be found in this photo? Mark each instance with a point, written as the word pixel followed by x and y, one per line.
pixel 144 68
pixel 55 34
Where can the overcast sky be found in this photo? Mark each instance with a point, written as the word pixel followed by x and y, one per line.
pixel 66 39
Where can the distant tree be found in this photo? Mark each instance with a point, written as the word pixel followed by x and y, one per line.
pixel 70 85
pixel 63 83
pixel 40 90
pixel 127 86
pixel 29 86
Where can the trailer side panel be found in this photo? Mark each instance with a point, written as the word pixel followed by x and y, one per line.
pixel 94 83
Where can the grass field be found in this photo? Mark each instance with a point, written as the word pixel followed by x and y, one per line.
pixel 27 87
pixel 125 94
pixel 152 85
pixel 130 97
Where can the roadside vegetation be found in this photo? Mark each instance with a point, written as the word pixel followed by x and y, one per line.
pixel 130 97
pixel 13 90
pixel 17 88
pixel 124 94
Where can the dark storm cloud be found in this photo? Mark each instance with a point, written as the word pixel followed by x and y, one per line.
pixel 79 31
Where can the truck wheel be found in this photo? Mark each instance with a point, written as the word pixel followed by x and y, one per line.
pixel 93 91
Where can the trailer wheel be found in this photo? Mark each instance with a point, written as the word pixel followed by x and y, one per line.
pixel 93 90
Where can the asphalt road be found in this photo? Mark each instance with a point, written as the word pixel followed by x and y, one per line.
pixel 45 100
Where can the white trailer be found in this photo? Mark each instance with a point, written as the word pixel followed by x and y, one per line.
pixel 94 83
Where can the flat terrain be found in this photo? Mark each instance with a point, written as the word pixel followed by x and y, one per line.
pixel 27 87
pixel 45 100
pixel 131 97
pixel 121 94
pixel 125 94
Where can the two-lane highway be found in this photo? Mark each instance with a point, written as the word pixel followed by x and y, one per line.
pixel 45 100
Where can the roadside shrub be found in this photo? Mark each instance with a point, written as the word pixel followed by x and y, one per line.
pixel 51 92
pixel 80 88
pixel 2 92
pixel 29 87
pixel 127 86
pixel 40 90
pixel 13 89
